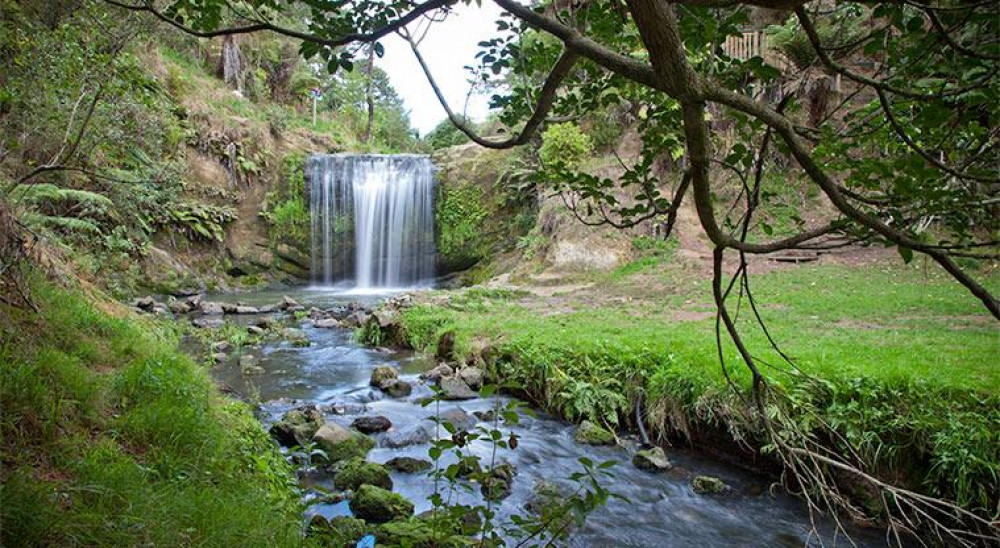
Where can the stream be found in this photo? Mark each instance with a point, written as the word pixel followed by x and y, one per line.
pixel 662 510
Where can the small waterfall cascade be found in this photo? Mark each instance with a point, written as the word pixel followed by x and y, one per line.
pixel 372 219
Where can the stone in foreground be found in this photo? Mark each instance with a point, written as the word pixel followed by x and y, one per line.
pixel 708 485
pixel 383 374
pixel 340 443
pixel 358 472
pixel 376 505
pixel 591 434
pixel 371 425
pixel 652 460
pixel 454 388
pixel 408 465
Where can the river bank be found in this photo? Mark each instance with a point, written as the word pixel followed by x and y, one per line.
pixel 903 371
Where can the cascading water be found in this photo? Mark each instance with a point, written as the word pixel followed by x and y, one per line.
pixel 372 219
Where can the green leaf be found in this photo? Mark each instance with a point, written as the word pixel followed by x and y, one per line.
pixel 906 253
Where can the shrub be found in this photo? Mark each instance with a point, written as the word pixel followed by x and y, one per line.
pixel 564 145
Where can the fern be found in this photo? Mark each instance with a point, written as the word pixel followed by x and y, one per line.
pixel 46 192
pixel 39 221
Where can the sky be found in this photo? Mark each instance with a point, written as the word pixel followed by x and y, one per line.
pixel 449 46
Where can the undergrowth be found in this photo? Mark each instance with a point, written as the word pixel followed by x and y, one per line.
pixel 113 437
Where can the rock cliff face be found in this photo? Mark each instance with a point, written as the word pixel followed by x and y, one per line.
pixel 245 164
pixel 491 220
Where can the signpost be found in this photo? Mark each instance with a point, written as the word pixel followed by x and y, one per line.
pixel 316 95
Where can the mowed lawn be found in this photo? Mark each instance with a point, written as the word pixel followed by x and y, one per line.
pixel 889 322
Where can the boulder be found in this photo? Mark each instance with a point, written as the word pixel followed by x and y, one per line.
pixel 653 460
pixel 328 323
pixel 382 374
pixel 240 309
pixel 346 408
pixel 376 505
pixel 371 425
pixel 221 346
pixel 207 322
pixel 267 322
pixel 144 303
pixel 229 308
pixel 268 309
pixel 179 307
pixel 486 416
pixel 473 376
pixel 339 531
pixel 397 388
pixel 218 357
pixel 356 319
pixel 297 426
pixel 434 375
pixel 288 302
pixel 457 417
pixel 708 485
pixel 194 301
pixel 340 443
pixel 498 483
pixel 256 331
pixel 161 310
pixel 454 388
pixel 415 434
pixel 408 465
pixel 358 472
pixel 210 309
pixel 592 434
pixel 385 318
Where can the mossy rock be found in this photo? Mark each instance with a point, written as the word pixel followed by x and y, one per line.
pixel 652 460
pixel 592 434
pixel 417 533
pixel 297 426
pixel 708 485
pixel 340 443
pixel 339 531
pixel 358 472
pixel 383 374
pixel 376 505
pixel 409 465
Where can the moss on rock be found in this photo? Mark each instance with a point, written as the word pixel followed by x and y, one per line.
pixel 339 531
pixel 592 434
pixel 358 472
pixel 376 505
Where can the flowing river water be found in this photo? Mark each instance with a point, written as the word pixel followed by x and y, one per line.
pixel 662 510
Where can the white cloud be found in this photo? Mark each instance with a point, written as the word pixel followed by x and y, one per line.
pixel 449 46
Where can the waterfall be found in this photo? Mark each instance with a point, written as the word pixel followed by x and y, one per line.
pixel 372 219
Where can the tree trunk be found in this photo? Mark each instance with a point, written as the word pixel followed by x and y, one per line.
pixel 369 95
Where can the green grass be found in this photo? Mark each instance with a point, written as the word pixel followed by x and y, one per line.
pixel 905 359
pixel 112 437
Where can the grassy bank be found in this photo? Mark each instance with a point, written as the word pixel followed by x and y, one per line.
pixel 112 437
pixel 899 360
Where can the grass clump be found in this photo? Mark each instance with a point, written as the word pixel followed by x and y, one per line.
pixel 111 436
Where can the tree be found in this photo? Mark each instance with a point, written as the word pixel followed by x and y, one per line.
pixel 446 134
pixel 912 145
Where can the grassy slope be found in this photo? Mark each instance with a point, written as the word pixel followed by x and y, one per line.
pixel 111 436
pixel 906 359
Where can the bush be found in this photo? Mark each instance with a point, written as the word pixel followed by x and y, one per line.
pixel 564 145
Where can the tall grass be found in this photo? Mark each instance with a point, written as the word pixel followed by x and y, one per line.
pixel 112 437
